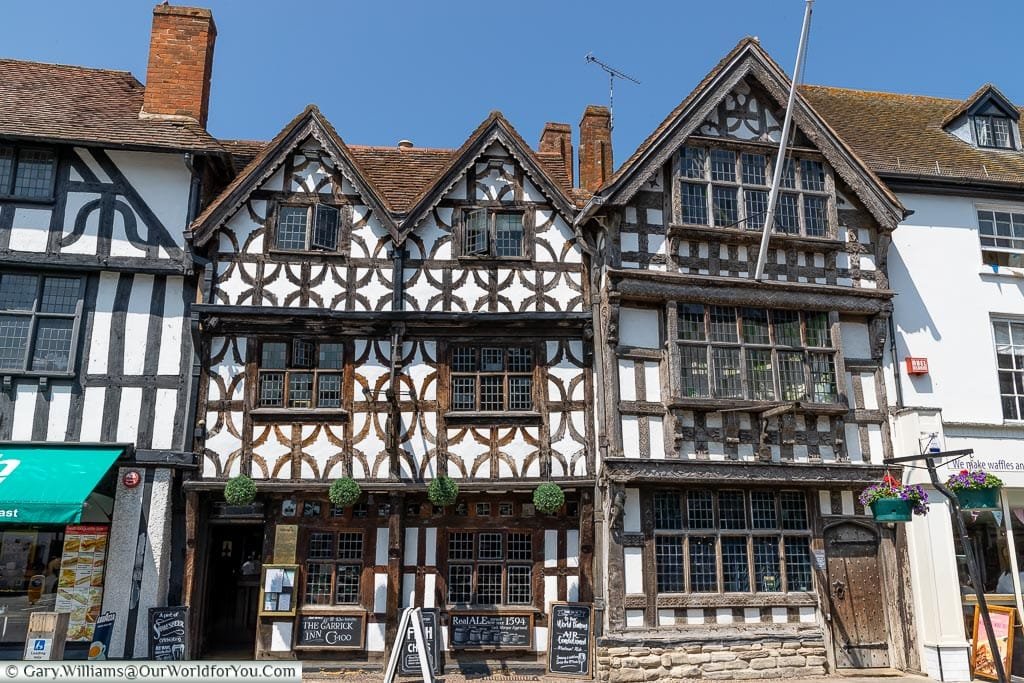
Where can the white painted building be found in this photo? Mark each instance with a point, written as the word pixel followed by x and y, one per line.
pixel 955 264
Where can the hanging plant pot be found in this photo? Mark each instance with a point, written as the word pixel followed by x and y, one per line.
pixel 442 491
pixel 978 499
pixel 891 510
pixel 344 492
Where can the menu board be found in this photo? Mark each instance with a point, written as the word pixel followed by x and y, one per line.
pixel 332 630
pixel 80 582
pixel 278 589
pixel 492 631
pixel 409 664
pixel 982 660
pixel 168 633
pixel 569 640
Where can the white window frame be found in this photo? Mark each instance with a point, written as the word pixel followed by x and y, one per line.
pixel 1014 257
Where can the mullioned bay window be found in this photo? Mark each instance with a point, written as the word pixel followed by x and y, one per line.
pixel 755 354
pixel 731 541
pixel 727 188
pixel 492 378
pixel 490 568
pixel 300 375
pixel 334 565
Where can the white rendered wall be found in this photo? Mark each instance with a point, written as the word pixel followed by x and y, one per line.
pixel 944 306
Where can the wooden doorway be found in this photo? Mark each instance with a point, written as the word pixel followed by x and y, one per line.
pixel 856 597
pixel 232 590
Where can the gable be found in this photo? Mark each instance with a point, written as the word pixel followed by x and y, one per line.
pixel 746 113
pixel 306 156
pixel 495 138
pixel 735 100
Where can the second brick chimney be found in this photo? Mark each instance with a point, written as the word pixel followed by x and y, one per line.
pixel 595 147
pixel 556 138
pixel 180 64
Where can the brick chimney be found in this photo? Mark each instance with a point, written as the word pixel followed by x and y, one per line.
pixel 180 64
pixel 556 138
pixel 595 147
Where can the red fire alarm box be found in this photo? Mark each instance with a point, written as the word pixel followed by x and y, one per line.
pixel 917 366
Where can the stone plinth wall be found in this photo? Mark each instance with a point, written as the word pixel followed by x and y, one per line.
pixel 712 661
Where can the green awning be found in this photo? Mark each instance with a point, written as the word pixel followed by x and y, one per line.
pixel 47 485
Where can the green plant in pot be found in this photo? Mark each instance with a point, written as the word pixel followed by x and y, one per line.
pixel 976 490
pixel 240 490
pixel 548 498
pixel 344 492
pixel 442 492
pixel 891 501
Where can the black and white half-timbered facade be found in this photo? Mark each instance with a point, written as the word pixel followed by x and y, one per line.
pixel 393 315
pixel 97 187
pixel 742 418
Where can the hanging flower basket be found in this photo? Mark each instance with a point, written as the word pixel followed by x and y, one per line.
pixel 891 501
pixel 977 490
pixel 548 498
pixel 891 510
pixel 240 490
pixel 442 492
pixel 344 492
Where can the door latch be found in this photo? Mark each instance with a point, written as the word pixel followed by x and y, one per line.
pixel 839 589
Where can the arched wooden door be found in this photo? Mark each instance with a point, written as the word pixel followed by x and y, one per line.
pixel 856 597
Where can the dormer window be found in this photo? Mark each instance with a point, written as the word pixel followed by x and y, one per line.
pixel 993 131
pixel 493 233
pixel 308 227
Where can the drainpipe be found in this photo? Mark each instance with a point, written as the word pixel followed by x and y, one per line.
pixel 895 361
pixel 597 266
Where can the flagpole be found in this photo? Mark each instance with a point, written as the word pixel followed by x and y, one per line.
pixel 773 195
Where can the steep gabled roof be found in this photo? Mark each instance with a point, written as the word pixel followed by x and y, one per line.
pixel 903 136
pixel 400 173
pixel 984 92
pixel 310 123
pixel 748 58
pixel 75 104
pixel 495 128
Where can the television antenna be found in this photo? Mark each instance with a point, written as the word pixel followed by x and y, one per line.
pixel 613 73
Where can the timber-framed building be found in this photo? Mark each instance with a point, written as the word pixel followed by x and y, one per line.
pixel 392 315
pixel 740 419
pixel 99 179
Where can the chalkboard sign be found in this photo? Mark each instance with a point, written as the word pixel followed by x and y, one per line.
pixel 492 631
pixel 334 631
pixel 168 633
pixel 569 640
pixel 409 664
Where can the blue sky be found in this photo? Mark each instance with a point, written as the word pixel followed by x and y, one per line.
pixel 431 71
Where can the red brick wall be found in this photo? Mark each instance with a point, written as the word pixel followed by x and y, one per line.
pixel 180 62
pixel 595 147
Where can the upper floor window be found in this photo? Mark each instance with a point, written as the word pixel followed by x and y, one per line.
pixel 305 227
pixel 727 189
pixel 300 374
pixel 27 172
pixel 492 378
pixel 1002 237
pixel 756 354
pixel 495 233
pixel 731 541
pixel 1009 338
pixel 993 131
pixel 39 317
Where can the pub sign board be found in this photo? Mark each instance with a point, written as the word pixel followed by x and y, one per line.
pixel 409 663
pixel 331 631
pixel 491 631
pixel 570 640
pixel 168 633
